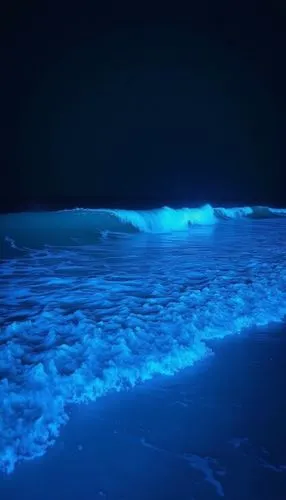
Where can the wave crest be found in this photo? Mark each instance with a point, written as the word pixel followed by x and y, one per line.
pixel 257 212
pixel 84 226
pixel 165 219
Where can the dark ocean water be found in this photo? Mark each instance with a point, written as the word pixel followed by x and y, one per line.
pixel 169 326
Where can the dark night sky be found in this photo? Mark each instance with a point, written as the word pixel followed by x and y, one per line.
pixel 120 104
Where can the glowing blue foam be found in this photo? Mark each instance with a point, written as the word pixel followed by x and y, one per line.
pixel 78 321
pixel 165 219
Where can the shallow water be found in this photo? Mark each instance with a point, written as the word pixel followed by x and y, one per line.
pixel 215 430
pixel 80 321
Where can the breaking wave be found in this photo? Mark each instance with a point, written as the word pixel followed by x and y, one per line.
pixel 86 226
pixel 257 212
pixel 166 219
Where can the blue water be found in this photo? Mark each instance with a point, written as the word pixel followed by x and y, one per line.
pixel 93 302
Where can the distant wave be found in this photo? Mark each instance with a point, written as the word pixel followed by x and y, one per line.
pixel 257 212
pixel 87 226
pixel 167 219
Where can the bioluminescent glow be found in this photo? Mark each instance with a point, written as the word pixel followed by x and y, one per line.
pixel 88 305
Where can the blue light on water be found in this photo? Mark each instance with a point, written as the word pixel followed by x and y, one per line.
pixel 83 314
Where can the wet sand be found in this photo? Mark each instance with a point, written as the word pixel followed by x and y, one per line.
pixel 215 430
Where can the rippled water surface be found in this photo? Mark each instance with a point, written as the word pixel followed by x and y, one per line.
pixel 78 321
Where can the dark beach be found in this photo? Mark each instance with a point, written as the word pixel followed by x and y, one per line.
pixel 216 429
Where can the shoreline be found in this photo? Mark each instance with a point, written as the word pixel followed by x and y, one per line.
pixel 194 433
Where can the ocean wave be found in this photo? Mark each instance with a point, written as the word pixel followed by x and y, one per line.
pixel 86 226
pixel 78 323
pixel 257 212
pixel 166 219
